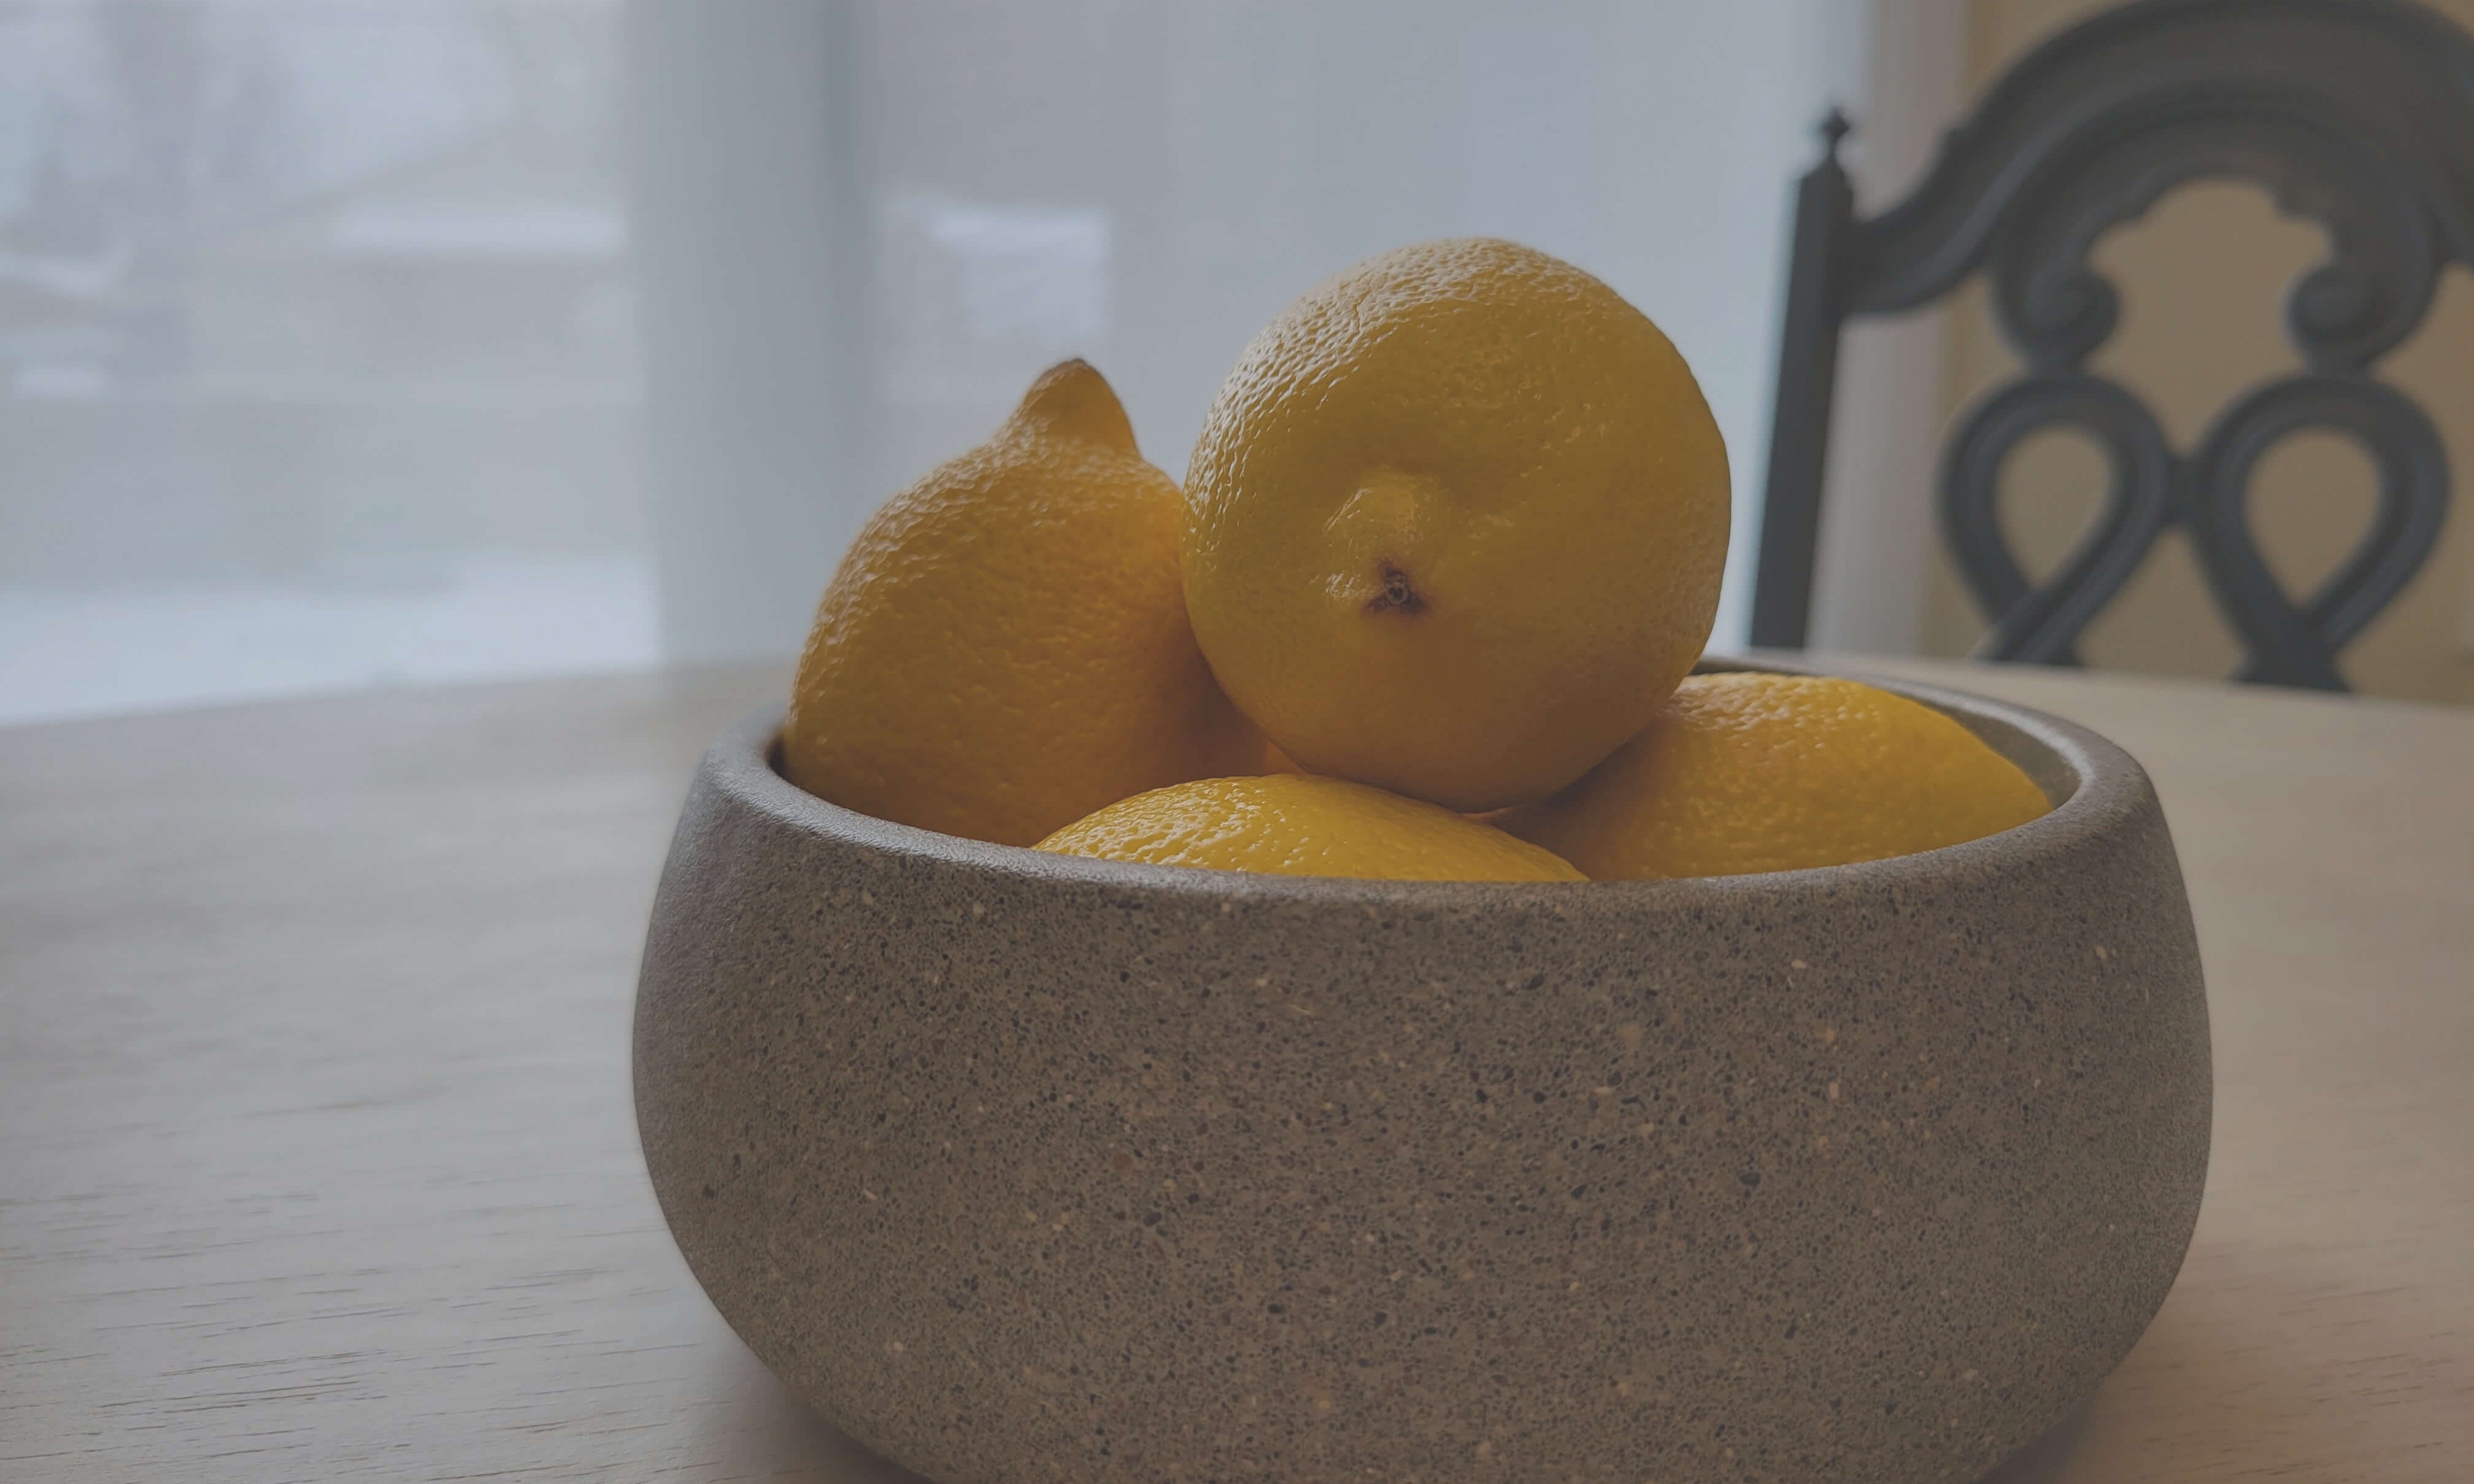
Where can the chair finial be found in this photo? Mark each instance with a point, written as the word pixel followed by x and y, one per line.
pixel 1834 127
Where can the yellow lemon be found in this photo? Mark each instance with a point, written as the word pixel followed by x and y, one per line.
pixel 1456 525
pixel 1004 647
pixel 1750 773
pixel 1291 824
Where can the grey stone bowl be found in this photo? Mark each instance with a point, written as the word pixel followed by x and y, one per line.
pixel 1025 1167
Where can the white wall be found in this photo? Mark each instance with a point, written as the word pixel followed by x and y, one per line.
pixel 1145 185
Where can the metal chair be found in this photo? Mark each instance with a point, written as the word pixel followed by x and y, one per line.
pixel 2359 113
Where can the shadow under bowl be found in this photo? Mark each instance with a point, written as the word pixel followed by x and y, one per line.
pixel 1019 1165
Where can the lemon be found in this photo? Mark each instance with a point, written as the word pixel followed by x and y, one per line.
pixel 1456 522
pixel 1756 772
pixel 1005 648
pixel 1291 824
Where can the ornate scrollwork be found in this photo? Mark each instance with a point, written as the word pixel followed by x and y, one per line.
pixel 2153 489
pixel 2383 259
pixel 2296 644
pixel 2141 98
pixel 2041 623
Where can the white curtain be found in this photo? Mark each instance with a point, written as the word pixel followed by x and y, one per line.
pixel 349 344
pixel 929 201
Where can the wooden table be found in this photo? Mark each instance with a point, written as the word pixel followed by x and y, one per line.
pixel 316 1158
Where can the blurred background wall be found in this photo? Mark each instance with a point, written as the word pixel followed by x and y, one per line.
pixel 2203 279
pixel 352 342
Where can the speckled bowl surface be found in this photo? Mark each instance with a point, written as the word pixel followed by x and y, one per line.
pixel 1025 1167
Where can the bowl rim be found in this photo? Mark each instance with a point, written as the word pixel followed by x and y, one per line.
pixel 2106 785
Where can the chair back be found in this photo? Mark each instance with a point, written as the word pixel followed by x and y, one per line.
pixel 2356 113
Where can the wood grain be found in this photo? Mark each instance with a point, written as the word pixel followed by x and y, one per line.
pixel 316 1157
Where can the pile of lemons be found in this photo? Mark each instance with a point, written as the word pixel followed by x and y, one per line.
pixel 1447 550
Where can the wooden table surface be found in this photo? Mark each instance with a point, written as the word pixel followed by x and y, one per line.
pixel 316 1157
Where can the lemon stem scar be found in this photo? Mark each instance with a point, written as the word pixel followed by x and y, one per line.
pixel 1397 596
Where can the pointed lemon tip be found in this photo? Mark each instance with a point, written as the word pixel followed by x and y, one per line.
pixel 1072 400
